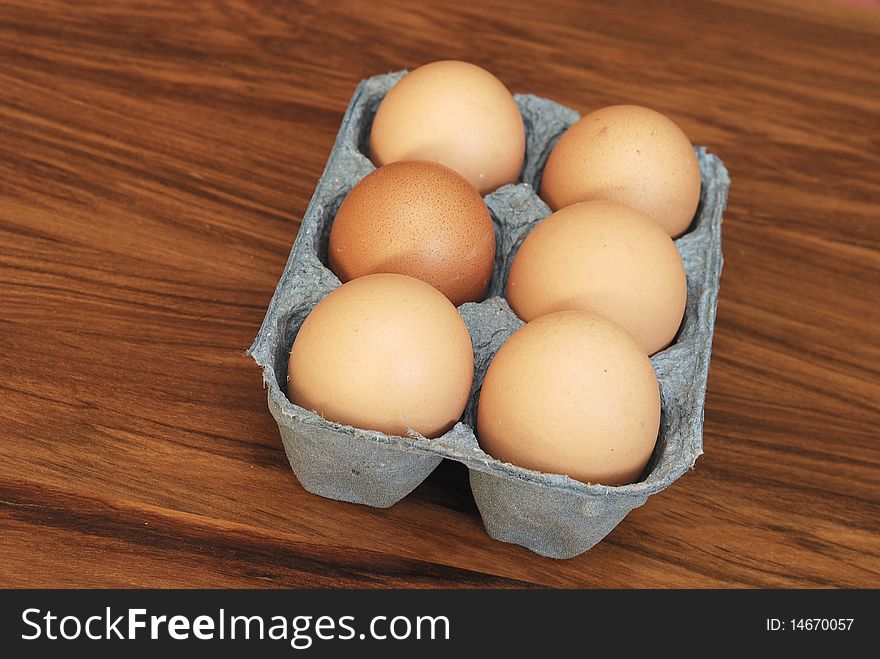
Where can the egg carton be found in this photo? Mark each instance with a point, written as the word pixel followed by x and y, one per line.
pixel 551 514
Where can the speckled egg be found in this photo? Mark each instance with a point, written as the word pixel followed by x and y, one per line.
pixel 420 219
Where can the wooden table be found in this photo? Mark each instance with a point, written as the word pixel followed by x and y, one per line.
pixel 155 159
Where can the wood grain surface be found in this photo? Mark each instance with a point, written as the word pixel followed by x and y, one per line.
pixel 155 159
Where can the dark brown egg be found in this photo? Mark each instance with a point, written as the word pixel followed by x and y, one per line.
pixel 420 219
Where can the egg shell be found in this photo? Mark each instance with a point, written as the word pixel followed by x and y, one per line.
pixel 385 352
pixel 606 258
pixel 551 514
pixel 419 219
pixel 631 155
pixel 571 393
pixel 454 113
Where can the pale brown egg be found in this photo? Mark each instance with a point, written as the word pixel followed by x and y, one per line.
pixel 384 352
pixel 454 113
pixel 605 258
pixel 571 393
pixel 419 219
pixel 631 155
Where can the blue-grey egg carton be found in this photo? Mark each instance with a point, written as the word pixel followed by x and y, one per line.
pixel 551 514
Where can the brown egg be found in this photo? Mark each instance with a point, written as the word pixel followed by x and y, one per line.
pixel 631 155
pixel 419 219
pixel 606 258
pixel 571 393
pixel 454 113
pixel 384 352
